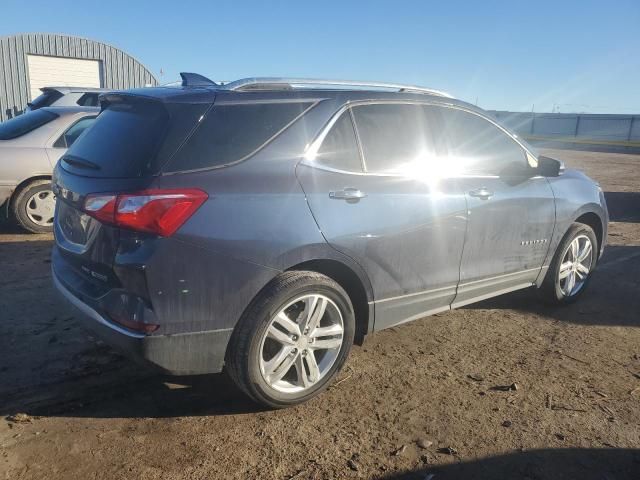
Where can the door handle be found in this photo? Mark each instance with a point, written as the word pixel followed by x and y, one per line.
pixel 347 194
pixel 482 193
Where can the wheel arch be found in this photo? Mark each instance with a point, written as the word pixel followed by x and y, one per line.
pixel 352 283
pixel 594 221
pixel 27 181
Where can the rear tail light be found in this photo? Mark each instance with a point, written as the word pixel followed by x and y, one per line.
pixel 156 211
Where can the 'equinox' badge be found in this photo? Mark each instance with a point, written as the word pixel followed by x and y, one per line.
pixel 533 242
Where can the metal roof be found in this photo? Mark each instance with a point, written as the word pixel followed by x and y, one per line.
pixel 119 70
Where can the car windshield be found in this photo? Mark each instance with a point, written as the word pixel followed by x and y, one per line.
pixel 23 124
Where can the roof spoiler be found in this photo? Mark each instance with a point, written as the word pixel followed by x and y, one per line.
pixel 196 80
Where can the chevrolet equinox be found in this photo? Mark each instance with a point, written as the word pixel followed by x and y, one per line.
pixel 264 226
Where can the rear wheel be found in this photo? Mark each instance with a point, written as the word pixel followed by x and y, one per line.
pixel 572 266
pixel 292 340
pixel 33 206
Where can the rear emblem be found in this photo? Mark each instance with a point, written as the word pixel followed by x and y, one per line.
pixel 97 275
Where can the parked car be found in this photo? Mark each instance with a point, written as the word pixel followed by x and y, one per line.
pixel 30 145
pixel 265 225
pixel 66 97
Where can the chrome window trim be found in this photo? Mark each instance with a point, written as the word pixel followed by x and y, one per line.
pixel 395 175
pixel 363 161
pixel 314 146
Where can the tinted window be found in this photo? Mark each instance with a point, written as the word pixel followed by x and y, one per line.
pixel 89 100
pixel 69 137
pixel 47 98
pixel 122 139
pixel 477 146
pixel 339 148
pixel 232 132
pixel 395 137
pixel 23 124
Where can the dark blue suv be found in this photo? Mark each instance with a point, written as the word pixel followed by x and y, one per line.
pixel 263 226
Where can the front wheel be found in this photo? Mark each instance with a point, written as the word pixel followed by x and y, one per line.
pixel 292 340
pixel 572 266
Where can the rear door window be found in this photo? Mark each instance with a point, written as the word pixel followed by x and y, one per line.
pixel 232 132
pixel 122 141
pixel 396 138
pixel 23 124
pixel 339 148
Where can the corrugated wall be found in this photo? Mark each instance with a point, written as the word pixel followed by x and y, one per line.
pixel 579 126
pixel 119 70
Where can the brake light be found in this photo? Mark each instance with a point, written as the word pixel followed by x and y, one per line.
pixel 156 211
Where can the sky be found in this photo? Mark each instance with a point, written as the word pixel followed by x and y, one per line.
pixel 562 55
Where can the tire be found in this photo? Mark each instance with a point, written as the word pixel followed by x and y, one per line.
pixel 555 290
pixel 24 201
pixel 249 354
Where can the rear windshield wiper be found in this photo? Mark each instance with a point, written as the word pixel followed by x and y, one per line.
pixel 80 162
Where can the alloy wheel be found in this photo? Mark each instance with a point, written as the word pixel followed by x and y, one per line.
pixel 301 343
pixel 575 266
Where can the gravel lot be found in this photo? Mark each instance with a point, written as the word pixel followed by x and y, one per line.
pixel 413 401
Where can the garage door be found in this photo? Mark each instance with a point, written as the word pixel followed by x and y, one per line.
pixel 61 72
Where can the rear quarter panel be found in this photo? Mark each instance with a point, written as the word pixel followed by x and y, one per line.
pixel 255 224
pixel 19 163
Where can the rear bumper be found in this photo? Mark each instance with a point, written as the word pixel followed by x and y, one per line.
pixel 178 354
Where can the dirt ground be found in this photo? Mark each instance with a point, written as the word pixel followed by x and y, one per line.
pixel 574 415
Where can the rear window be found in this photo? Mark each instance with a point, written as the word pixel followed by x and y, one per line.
pixel 47 98
pixel 122 141
pixel 133 139
pixel 232 132
pixel 23 124
pixel 89 100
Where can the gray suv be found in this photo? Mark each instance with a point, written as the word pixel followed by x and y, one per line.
pixel 264 226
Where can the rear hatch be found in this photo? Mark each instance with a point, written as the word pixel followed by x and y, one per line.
pixel 120 154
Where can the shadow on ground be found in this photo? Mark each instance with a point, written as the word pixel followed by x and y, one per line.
pixel 145 395
pixel 51 366
pixel 623 206
pixel 611 299
pixel 548 464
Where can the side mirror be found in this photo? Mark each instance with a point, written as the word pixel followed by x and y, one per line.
pixel 549 167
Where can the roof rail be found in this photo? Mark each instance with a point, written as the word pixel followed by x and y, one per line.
pixel 264 83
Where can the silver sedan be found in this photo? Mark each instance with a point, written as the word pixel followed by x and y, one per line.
pixel 30 146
